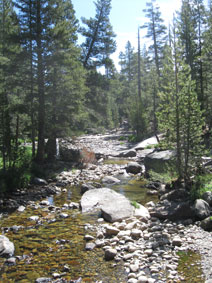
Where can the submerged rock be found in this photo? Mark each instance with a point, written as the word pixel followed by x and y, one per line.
pixel 7 248
pixel 110 180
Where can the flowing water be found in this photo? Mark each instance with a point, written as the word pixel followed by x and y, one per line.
pixel 56 243
pixel 46 248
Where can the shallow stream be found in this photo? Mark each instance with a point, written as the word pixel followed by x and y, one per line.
pixel 56 245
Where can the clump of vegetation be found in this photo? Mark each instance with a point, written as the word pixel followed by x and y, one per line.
pixel 135 204
pixel 201 184
pixel 165 178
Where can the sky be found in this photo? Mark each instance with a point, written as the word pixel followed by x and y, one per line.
pixel 125 17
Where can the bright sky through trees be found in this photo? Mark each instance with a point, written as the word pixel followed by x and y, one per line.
pixel 125 17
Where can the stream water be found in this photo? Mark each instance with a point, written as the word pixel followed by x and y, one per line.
pixel 52 245
pixel 56 245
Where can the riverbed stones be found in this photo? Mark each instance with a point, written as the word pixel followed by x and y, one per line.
pixel 90 246
pixel 177 241
pixel 110 254
pixel 7 248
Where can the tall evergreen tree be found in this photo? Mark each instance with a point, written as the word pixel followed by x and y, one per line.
pixel 99 37
pixel 9 62
pixel 156 31
pixel 180 116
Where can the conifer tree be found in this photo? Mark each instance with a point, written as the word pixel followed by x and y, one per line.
pixel 156 31
pixel 99 37
pixel 180 117
pixel 10 67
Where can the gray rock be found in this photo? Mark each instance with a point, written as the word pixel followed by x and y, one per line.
pixel 21 208
pixel 133 167
pixel 43 280
pixel 142 212
pixel 173 211
pixel 206 224
pixel 134 267
pixel 90 246
pixel 145 143
pixel 86 187
pixel 177 241
pixel 174 195
pixel 63 215
pixel 110 180
pixel 69 152
pixel 159 161
pixel 111 231
pixel 11 261
pixel 88 237
pixel 113 205
pixel 142 279
pixel 39 182
pixel 34 218
pixel 201 209
pixel 7 248
pixel 207 196
pixel 128 153
pixel 110 254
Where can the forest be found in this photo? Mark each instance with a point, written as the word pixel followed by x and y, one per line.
pixel 51 87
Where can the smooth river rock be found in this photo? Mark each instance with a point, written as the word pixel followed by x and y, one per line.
pixel 7 248
pixel 113 205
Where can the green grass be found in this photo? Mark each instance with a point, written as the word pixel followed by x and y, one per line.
pixel 165 178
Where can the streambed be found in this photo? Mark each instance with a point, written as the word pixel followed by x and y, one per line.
pixel 54 245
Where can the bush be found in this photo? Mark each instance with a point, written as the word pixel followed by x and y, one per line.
pixel 201 184
pixel 17 174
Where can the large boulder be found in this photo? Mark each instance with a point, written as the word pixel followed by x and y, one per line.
pixel 7 248
pixel 207 196
pixel 173 210
pixel 201 209
pixel 146 143
pixel 114 206
pixel 176 195
pixel 69 152
pixel 206 224
pixel 160 161
pixel 133 167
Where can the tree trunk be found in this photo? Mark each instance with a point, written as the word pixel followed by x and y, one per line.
pixel 41 99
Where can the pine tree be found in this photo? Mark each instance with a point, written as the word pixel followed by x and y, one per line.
pixel 156 31
pixel 180 117
pixel 65 75
pixel 99 37
pixel 9 60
